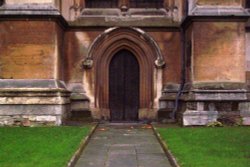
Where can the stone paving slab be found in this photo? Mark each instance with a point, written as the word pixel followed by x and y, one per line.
pixel 123 146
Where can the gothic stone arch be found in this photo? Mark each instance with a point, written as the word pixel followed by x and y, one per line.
pixel 99 57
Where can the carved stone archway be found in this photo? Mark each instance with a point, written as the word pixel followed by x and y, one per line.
pixel 106 46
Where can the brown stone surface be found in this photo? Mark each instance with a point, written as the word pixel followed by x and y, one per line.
pixel 28 50
pixel 218 52
pixel 248 77
pixel 76 49
pixel 77 44
pixel 170 45
pixel 220 2
pixel 188 36
pixel 60 61
pixel 26 62
pixel 78 14
pixel 28 1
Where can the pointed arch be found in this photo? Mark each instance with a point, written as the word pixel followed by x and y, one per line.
pixel 106 45
pixel 159 61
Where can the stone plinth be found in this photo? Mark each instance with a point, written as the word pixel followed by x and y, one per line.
pixel 201 107
pixel 28 102
pixel 168 101
pixel 194 117
pixel 245 112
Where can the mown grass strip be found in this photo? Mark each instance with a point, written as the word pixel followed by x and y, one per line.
pixel 206 147
pixel 39 146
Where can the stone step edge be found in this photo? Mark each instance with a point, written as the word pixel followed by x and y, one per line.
pixel 83 144
pixel 164 145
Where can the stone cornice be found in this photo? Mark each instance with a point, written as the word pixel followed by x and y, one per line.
pixel 213 18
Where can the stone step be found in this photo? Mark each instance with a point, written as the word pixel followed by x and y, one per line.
pixel 81 113
pixel 165 114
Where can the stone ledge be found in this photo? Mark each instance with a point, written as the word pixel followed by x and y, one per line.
pixel 112 21
pixel 246 121
pixel 219 11
pixel 31 84
pixel 25 120
pixel 33 114
pixel 29 9
pixel 217 86
pixel 32 88
pixel 131 12
pixel 79 97
pixel 194 117
pixel 38 109
pixel 35 90
pixel 34 100
pixel 218 95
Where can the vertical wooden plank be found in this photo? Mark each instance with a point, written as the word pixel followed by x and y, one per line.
pixel 124 87
pixel 116 88
pixel 247 3
pixel 131 87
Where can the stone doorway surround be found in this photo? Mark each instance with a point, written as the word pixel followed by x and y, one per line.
pixel 96 65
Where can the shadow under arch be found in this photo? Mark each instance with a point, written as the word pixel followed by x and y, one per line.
pixel 106 45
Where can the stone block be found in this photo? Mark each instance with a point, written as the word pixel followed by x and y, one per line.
pixel 191 105
pixel 32 83
pixel 166 104
pixel 12 110
pixel 145 114
pixel 246 120
pixel 79 105
pixel 35 114
pixel 6 121
pixel 42 118
pixel 194 117
pixel 34 100
pixel 220 95
pixel 164 114
pixel 245 112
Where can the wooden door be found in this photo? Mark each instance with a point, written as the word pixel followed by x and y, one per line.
pixel 124 87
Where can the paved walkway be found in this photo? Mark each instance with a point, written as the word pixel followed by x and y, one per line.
pixel 123 146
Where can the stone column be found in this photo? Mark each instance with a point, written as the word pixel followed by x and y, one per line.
pixel 216 88
pixel 32 89
pixel 217 73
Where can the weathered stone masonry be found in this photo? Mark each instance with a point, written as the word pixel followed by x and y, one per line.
pixel 193 57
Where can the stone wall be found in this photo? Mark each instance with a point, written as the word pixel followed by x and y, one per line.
pixel 220 2
pixel 42 57
pixel 217 88
pixel 28 49
pixel 222 57
pixel 77 43
pixel 31 102
pixel 32 90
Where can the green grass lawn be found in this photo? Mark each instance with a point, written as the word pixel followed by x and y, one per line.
pixel 209 147
pixel 39 146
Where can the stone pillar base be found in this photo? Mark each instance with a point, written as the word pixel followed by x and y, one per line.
pixel 32 102
pixel 167 102
pixel 193 117
pixel 29 115
pixel 147 114
pixel 245 112
pixel 79 106
pixel 201 107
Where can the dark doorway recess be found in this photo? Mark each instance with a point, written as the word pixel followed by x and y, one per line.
pixel 124 87
pixel 247 3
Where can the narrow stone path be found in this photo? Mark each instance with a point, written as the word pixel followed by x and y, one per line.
pixel 123 146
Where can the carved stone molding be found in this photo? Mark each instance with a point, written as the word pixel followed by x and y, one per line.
pixel 106 45
pixel 159 61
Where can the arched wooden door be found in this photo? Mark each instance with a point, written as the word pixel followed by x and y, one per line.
pixel 124 87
